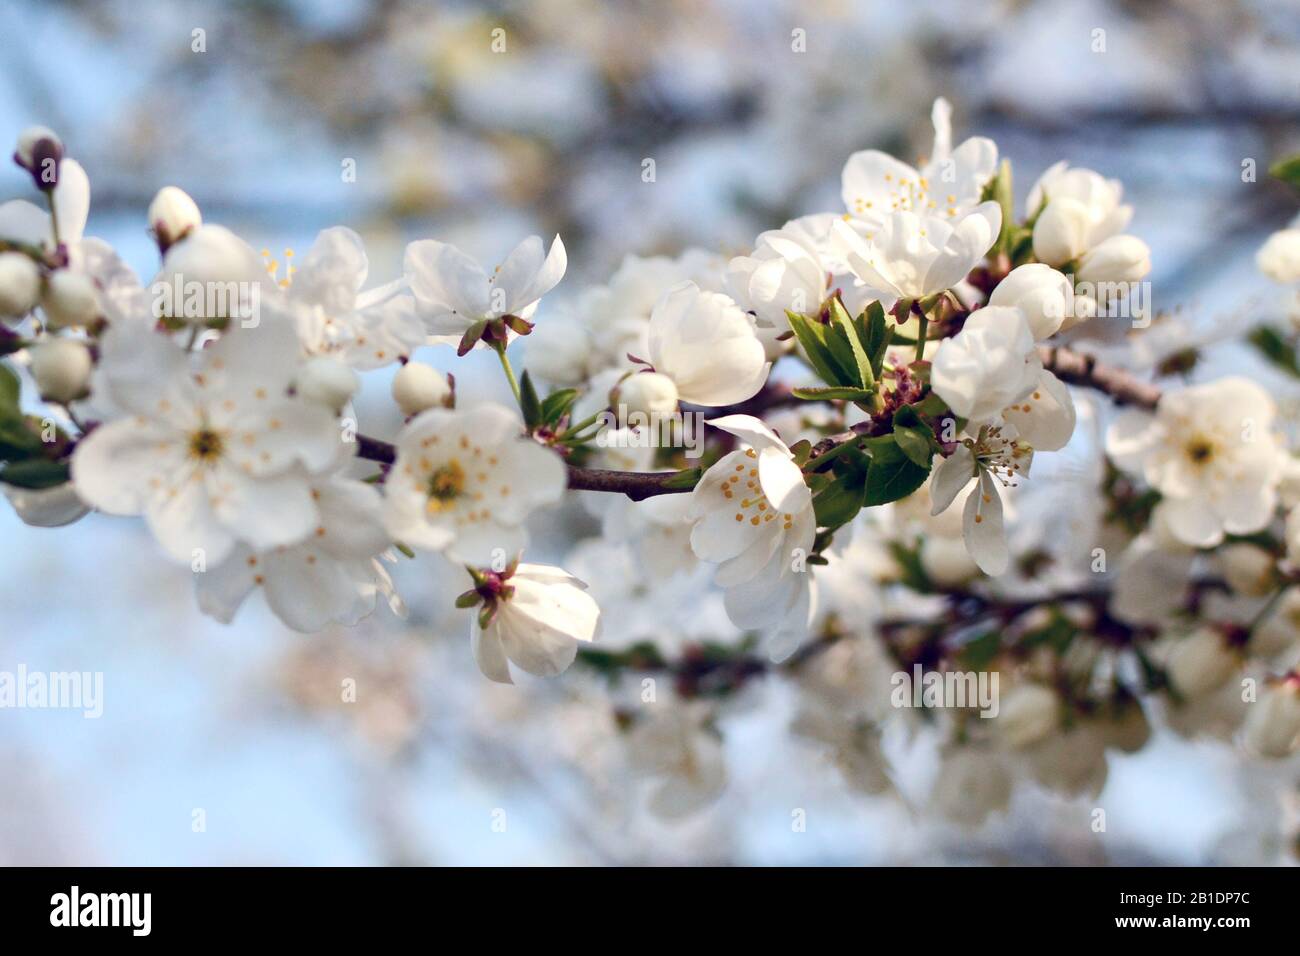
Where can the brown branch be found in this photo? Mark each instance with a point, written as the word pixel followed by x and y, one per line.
pixel 1075 368
pixel 637 485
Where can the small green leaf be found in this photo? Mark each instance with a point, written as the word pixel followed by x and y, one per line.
pixel 10 388
pixel 998 189
pixel 893 475
pixel 556 405
pixel 817 393
pixel 1287 170
pixel 34 473
pixel 529 403
pixel 837 504
pixel 914 441
pixel 1274 347
pixel 846 332
pixel 876 335
pixel 830 356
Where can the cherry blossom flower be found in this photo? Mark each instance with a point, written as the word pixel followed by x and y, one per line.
pixel 211 455
pixel 465 481
pixel 1210 451
pixel 534 617
pixel 366 330
pixel 707 346
pixel 948 184
pixel 333 575
pixel 453 292
pixel 754 518
pixel 987 366
pixel 913 255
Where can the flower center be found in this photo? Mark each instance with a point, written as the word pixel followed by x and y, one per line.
pixel 1003 458
pixel 205 445
pixel 754 505
pixel 446 484
pixel 1200 450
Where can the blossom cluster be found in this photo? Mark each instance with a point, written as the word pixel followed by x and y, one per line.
pixel 876 382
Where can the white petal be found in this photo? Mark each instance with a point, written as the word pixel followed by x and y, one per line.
pixel 951 475
pixel 983 530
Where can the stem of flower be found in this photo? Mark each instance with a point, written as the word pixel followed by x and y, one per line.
pixel 54 218
pixel 500 348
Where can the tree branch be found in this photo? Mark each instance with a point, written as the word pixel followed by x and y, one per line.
pixel 1071 367
pixel 1074 368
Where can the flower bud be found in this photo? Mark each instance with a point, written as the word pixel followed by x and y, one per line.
pixel 1061 232
pixel 1248 569
pixel 1273 722
pixel 1279 257
pixel 20 285
pixel 70 299
pixel 215 261
pixel 1040 292
pixel 327 381
pixel 173 215
pixel 40 151
pixel 1117 259
pixel 649 393
pixel 1200 662
pixel 1029 713
pixel 417 386
pixel 61 368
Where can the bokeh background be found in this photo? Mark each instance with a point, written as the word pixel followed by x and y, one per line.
pixel 454 141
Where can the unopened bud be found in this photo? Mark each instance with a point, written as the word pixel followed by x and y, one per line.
pixel 417 386
pixel 649 393
pixel 70 299
pixel 20 285
pixel 1114 260
pixel 173 215
pixel 327 381
pixel 39 151
pixel 61 368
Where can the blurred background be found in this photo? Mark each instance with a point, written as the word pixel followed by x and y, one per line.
pixel 749 109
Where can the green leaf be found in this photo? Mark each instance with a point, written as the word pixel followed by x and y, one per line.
pixel 876 335
pixel 1275 347
pixel 977 653
pixel 914 442
pixel 10 389
pixel 556 405
pixel 17 440
pixel 998 189
pixel 34 473
pixel 528 402
pixel 893 475
pixel 831 357
pixel 844 329
pixel 1287 170
pixel 837 504
pixel 817 393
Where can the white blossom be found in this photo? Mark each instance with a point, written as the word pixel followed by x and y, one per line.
pixel 210 455
pixel 453 292
pixel 465 481
pixel 754 518
pixel 1210 451
pixel 539 618
pixel 707 346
